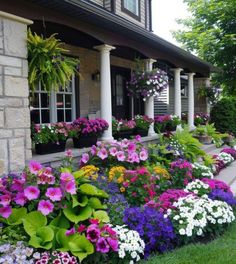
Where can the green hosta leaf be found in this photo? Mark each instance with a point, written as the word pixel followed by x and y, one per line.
pixel 62 240
pixel 92 190
pixel 78 174
pixel 65 170
pixel 33 221
pixel 42 238
pixel 95 203
pixel 81 201
pixel 80 246
pixel 102 216
pixel 17 216
pixel 60 221
pixel 77 214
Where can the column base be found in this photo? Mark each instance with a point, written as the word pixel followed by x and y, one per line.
pixel 151 131
pixel 191 127
pixel 179 127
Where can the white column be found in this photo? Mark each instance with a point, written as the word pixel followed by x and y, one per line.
pixel 190 101
pixel 149 103
pixel 105 89
pixel 177 87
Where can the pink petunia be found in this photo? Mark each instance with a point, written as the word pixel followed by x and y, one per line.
pixel 5 199
pixel 102 154
pixel 31 192
pixel 93 150
pixel 131 147
pixel 102 245
pixel 143 155
pixel 5 211
pixel 120 156
pixel 20 199
pixel 54 194
pixel 45 176
pixel 134 157
pixel 70 187
pixel 70 232
pixel 68 153
pixel 85 158
pixel 34 167
pixel 113 243
pixel 45 207
pixel 113 151
pixel 66 177
pixel 138 138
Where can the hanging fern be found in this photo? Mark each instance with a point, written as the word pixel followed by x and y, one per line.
pixel 47 63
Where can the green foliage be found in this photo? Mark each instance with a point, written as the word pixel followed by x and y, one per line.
pixel 210 32
pixel 42 238
pixel 33 221
pixel 191 145
pixel 92 190
pixel 223 115
pixel 16 217
pixel 77 214
pixel 47 64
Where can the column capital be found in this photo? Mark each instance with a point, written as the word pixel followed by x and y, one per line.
pixel 150 60
pixel 176 69
pixel 104 47
pixel 190 74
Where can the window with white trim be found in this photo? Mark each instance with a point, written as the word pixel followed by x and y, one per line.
pixel 132 6
pixel 55 107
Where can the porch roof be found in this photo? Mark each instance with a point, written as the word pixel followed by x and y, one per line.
pixel 94 14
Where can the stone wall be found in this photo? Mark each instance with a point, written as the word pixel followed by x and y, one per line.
pixel 15 141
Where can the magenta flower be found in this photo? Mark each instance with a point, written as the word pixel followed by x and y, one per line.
pixel 138 138
pixel 5 199
pixel 31 192
pixel 45 207
pixel 93 233
pixel 45 176
pixel 113 151
pixel 66 177
pixel 20 199
pixel 102 154
pixel 120 156
pixel 93 150
pixel 68 153
pixel 85 158
pixel 143 155
pixel 102 245
pixel 70 232
pixel 70 187
pixel 5 211
pixel 113 243
pixel 131 147
pixel 133 157
pixel 17 185
pixel 34 167
pixel 54 194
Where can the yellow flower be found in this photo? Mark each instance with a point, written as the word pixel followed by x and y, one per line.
pixel 122 189
pixel 161 172
pixel 117 172
pixel 90 171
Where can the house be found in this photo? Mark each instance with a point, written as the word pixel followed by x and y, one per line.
pixel 107 36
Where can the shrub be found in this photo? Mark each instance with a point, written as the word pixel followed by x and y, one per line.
pixel 223 114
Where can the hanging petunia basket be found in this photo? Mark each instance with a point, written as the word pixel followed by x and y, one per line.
pixel 146 84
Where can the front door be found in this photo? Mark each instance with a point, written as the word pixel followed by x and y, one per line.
pixel 120 100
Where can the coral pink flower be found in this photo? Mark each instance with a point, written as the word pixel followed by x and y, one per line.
pixel 31 192
pixel 120 156
pixel 143 155
pixel 102 154
pixel 70 187
pixel 54 194
pixel 45 207
pixel 5 199
pixel 20 199
pixel 85 158
pixel 5 211
pixel 68 153
pixel 66 177
pixel 34 167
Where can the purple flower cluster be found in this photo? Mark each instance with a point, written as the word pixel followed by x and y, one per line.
pixel 219 194
pixel 156 231
pixel 83 126
pixel 162 118
pixel 230 151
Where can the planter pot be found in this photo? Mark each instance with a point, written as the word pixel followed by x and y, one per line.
pixel 85 141
pixel 141 132
pixel 170 127
pixel 50 147
pixel 228 140
pixel 123 134
pixel 160 128
pixel 204 139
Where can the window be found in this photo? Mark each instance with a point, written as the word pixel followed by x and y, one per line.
pixel 56 107
pixel 132 7
pixel 184 89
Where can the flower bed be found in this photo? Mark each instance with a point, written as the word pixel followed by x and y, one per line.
pixel 122 203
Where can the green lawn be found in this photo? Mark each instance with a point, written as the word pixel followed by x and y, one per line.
pixel 220 251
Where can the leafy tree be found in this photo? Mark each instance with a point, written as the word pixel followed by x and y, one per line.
pixel 211 33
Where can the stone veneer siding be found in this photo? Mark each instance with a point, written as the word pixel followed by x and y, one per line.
pixel 15 141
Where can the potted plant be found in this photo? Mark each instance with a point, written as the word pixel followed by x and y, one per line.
pixel 172 123
pixel 147 83
pixel 123 128
pixel 49 138
pixel 143 123
pixel 85 132
pixel 165 123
